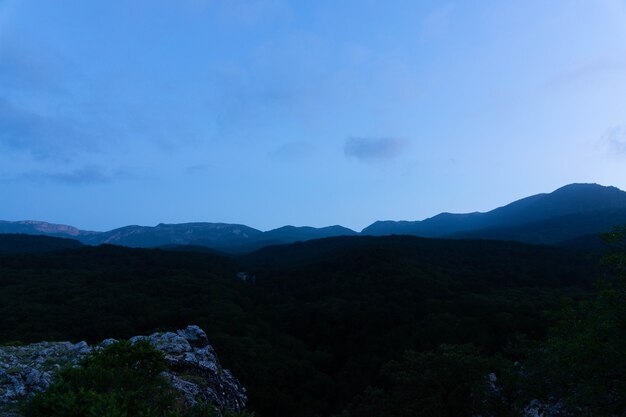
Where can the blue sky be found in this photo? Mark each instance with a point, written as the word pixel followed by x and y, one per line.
pixel 273 112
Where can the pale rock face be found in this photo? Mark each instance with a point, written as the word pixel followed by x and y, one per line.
pixel 193 368
pixel 538 409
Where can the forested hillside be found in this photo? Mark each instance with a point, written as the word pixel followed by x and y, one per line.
pixel 319 319
pixel 21 243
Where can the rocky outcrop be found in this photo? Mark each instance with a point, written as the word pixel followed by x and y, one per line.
pixel 553 409
pixel 193 368
pixel 534 408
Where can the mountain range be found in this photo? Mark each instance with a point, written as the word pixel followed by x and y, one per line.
pixel 570 215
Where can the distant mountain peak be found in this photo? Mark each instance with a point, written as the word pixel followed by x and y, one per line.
pixel 582 186
pixel 578 199
pixel 26 226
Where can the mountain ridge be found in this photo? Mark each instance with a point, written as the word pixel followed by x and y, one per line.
pixel 568 213
pixel 567 200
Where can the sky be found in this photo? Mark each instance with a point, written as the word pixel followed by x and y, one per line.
pixel 275 112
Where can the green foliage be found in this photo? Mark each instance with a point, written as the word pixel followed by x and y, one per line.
pixel 616 256
pixel 320 321
pixel 361 302
pixel 120 380
pixel 99 292
pixel 583 360
pixel 11 244
pixel 450 381
pixel 581 365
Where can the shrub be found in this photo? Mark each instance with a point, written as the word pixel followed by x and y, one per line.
pixel 121 380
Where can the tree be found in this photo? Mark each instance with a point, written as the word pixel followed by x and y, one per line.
pixel 450 381
pixel 583 361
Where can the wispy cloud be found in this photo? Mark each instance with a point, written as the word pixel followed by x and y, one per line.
pixel 42 136
pixel 615 139
pixel 30 67
pixel 197 169
pixel 292 150
pixel 375 149
pixel 600 68
pixel 86 175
